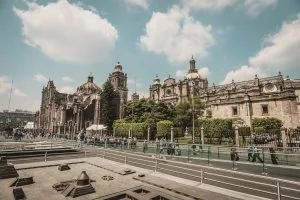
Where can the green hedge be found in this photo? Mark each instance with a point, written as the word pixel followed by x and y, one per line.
pixel 122 128
pixel 164 128
pixel 268 124
pixel 216 128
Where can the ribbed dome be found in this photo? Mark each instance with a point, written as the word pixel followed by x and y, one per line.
pixel 83 179
pixel 192 75
pixel 118 67
pixel 89 87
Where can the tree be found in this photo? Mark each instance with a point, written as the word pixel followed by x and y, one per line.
pixel 184 113
pixel 164 128
pixel 108 105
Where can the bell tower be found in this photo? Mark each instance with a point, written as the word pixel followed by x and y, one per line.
pixel 119 81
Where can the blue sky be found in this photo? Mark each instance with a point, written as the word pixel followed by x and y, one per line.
pixel 66 40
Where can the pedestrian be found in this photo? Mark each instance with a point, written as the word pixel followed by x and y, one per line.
pixel 273 156
pixel 161 146
pixel 80 138
pixel 250 152
pixel 145 146
pixel 256 154
pixel 234 155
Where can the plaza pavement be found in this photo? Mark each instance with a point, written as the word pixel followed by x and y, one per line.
pixel 202 191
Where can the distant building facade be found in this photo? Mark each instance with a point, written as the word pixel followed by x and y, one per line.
pixel 241 101
pixel 69 113
pixel 17 118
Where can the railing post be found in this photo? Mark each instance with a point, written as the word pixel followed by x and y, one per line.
pixel 188 152
pixel 156 163
pixel 278 191
pixel 201 180
pixel 46 156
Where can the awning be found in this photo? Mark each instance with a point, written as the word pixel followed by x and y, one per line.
pixel 96 127
pixel 29 125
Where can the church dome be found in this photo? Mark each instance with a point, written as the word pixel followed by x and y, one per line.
pixel 89 87
pixel 192 75
pixel 118 67
pixel 156 81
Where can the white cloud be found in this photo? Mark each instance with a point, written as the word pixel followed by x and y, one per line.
pixel 242 74
pixel 139 3
pixel 204 72
pixel 283 50
pixel 67 79
pixel 177 35
pixel 18 92
pixel 255 7
pixel 208 4
pixel 40 78
pixel 66 89
pixel 67 32
pixel 180 74
pixel 5 84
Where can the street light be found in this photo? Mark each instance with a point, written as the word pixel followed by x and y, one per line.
pixel 193 112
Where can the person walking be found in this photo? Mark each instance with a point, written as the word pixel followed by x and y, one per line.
pixel 273 156
pixel 256 154
pixel 250 152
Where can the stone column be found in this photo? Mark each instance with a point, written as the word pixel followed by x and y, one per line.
pixel 78 119
pixel 236 135
pixel 172 135
pixel 81 118
pixel 96 112
pixel 202 135
pixel 283 137
pixel 148 136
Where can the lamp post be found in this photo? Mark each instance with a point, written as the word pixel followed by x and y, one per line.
pixel 193 112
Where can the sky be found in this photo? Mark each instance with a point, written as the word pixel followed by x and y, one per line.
pixel 66 40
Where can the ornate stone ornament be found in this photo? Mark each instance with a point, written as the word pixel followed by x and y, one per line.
pixel 269 87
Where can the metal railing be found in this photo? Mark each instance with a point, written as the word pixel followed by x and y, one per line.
pixel 201 175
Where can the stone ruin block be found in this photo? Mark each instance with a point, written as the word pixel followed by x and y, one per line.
pixel 19 194
pixel 7 170
pixel 63 167
pixel 75 188
pixel 22 181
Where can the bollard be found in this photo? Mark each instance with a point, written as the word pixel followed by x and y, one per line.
pixel 278 191
pixel 218 153
pixel 208 151
pixel 46 156
pixel 156 164
pixel 201 180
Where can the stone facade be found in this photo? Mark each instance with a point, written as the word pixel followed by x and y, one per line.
pixel 242 101
pixel 69 113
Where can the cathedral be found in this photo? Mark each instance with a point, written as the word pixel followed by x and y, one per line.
pixel 275 96
pixel 69 113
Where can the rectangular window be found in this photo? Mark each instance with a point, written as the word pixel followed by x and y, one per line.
pixel 234 111
pixel 265 109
